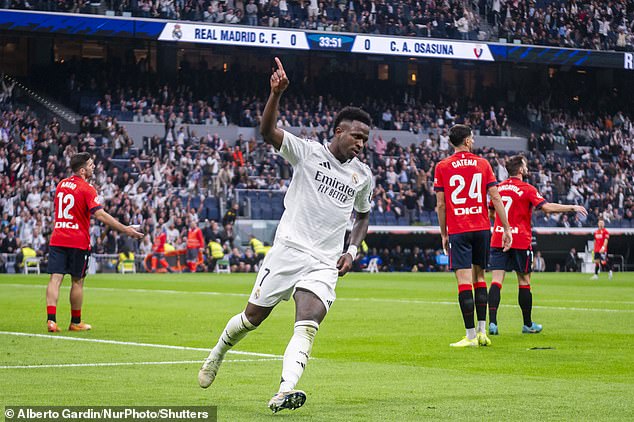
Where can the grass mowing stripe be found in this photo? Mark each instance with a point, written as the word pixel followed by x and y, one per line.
pixel 433 302
pixel 131 343
pixel 99 364
pixel 351 299
pixel 114 289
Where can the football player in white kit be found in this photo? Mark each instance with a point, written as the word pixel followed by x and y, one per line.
pixel 305 260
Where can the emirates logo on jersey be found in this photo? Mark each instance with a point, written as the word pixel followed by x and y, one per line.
pixel 334 188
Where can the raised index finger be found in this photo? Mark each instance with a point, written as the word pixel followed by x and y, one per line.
pixel 279 65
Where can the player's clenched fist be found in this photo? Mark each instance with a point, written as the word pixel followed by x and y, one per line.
pixel 279 80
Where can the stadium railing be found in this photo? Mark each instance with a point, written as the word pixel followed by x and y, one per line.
pixel 108 263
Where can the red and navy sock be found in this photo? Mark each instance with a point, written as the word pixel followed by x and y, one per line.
pixel 525 299
pixel 465 298
pixel 51 312
pixel 494 301
pixel 481 300
pixel 75 316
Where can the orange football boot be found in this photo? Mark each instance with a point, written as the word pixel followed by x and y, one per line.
pixel 52 327
pixel 82 326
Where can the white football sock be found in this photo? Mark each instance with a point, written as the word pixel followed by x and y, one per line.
pixel 237 328
pixel 471 333
pixel 482 326
pixel 296 354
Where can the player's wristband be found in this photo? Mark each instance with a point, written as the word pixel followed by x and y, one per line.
pixel 352 250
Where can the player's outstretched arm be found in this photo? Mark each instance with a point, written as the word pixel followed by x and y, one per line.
pixel 441 210
pixel 112 222
pixel 559 208
pixel 359 230
pixel 268 126
pixel 496 199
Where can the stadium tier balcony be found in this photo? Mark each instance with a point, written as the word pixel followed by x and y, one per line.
pixel 577 24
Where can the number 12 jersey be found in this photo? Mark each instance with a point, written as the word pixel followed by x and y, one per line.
pixel 75 201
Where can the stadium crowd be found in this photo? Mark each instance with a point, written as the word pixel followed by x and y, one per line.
pixel 581 158
pixel 577 23
pixel 132 92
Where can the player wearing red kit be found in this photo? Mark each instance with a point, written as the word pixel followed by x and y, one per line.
pixel 462 182
pixel 75 201
pixel 601 238
pixel 158 250
pixel 519 199
pixel 195 243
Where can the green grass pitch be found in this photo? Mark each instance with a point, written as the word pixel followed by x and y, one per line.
pixel 382 354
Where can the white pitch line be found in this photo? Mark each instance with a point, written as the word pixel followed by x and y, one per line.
pixel 615 302
pixel 131 343
pixel 100 364
pixel 351 299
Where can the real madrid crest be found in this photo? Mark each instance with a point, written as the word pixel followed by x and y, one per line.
pixel 177 33
pixel 355 178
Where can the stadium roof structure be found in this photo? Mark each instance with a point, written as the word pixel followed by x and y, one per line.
pixel 293 39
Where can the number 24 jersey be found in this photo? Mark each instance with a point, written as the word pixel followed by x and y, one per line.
pixel 464 178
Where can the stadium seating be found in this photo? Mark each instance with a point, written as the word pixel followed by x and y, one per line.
pixel 520 21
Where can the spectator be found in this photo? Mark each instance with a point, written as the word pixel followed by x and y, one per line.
pixel 571 264
pixel 539 264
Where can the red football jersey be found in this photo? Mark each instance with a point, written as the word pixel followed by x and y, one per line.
pixel 75 201
pixel 519 199
pixel 159 243
pixel 600 236
pixel 465 178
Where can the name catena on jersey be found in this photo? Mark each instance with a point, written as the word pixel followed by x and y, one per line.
pixel 320 198
pixel 465 179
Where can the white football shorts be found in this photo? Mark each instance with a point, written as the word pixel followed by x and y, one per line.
pixel 285 269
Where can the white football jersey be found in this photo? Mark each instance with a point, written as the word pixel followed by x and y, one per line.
pixel 320 198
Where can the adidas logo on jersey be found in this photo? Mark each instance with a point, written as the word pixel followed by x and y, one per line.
pixel 325 164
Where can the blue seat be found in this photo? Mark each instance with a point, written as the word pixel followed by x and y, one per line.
pixel 267 213
pixel 256 213
pixel 425 217
pixel 390 219
pixel 403 221
pixel 184 200
pixel 380 219
pixel 213 214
